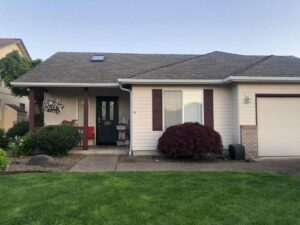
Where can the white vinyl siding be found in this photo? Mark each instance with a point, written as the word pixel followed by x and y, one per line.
pixel 144 138
pixel 247 112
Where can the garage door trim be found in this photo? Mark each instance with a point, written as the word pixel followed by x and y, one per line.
pixel 261 96
pixel 269 95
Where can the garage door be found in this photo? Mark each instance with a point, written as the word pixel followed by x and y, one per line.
pixel 278 121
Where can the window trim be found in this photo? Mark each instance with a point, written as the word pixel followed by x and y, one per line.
pixel 182 103
pixel 77 109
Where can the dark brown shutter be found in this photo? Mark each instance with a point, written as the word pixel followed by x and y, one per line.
pixel 157 109
pixel 209 107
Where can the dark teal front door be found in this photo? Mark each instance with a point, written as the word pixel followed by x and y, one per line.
pixel 107 118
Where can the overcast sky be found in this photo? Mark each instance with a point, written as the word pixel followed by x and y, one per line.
pixel 153 26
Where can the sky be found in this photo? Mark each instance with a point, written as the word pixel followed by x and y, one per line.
pixel 256 27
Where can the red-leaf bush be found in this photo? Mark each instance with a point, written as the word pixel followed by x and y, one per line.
pixel 190 140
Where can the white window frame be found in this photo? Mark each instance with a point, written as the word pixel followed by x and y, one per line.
pixel 83 110
pixel 182 102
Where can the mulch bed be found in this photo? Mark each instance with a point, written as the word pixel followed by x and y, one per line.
pixel 61 164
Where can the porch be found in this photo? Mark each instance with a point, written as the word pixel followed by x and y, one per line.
pixel 101 115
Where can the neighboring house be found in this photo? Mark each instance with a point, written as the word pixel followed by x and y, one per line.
pixel 12 108
pixel 253 100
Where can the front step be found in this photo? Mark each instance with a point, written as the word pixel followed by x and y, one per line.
pixel 103 150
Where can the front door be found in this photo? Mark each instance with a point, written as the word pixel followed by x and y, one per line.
pixel 107 118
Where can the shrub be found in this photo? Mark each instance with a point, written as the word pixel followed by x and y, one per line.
pixel 55 139
pixel 18 129
pixel 190 140
pixel 4 161
pixel 3 139
pixel 13 147
pixel 25 144
pixel 21 145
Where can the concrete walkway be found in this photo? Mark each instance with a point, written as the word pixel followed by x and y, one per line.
pixel 98 163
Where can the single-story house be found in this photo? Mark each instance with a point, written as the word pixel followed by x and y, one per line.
pixel 252 100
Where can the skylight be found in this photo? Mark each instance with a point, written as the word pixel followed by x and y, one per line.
pixel 97 58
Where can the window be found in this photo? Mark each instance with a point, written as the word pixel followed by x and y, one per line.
pixel 111 110
pixel 182 106
pixel 22 106
pixel 172 108
pixel 80 111
pixel 103 111
pixel 192 106
pixel 97 58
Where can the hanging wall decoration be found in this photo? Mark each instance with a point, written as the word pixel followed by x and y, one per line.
pixel 53 105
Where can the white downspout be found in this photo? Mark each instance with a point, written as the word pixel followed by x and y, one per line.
pixel 131 117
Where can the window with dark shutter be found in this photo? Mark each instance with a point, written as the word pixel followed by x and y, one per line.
pixel 208 107
pixel 157 110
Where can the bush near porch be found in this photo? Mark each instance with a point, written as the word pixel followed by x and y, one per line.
pixel 55 139
pixel 190 140
pixel 18 129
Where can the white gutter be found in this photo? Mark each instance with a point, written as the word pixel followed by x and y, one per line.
pixel 44 84
pixel 169 81
pixel 226 80
pixel 131 117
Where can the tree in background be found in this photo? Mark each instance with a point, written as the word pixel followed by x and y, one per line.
pixel 12 66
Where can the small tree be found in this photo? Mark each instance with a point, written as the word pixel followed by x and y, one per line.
pixel 12 66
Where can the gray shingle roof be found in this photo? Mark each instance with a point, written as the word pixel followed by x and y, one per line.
pixel 65 67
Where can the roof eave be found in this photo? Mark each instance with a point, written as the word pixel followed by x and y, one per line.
pixel 227 80
pixel 47 84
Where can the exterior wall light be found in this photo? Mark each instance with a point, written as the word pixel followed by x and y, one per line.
pixel 247 100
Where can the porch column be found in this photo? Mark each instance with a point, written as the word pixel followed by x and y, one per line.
pixel 85 117
pixel 31 110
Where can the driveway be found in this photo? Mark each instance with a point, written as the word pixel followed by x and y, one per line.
pixel 98 163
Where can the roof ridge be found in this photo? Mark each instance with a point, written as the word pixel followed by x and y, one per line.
pixel 241 71
pixel 167 65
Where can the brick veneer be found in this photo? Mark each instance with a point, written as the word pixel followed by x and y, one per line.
pixel 249 140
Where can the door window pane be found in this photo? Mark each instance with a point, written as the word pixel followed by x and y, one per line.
pixel 172 108
pixel 103 110
pixel 192 106
pixel 111 110
pixel 80 111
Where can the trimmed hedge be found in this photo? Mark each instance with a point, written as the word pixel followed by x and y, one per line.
pixel 55 139
pixel 190 140
pixel 18 129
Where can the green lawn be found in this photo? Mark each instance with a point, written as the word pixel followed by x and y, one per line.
pixel 149 198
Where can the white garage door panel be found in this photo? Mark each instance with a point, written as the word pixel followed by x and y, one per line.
pixel 278 121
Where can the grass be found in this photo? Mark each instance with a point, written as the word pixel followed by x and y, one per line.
pixel 150 198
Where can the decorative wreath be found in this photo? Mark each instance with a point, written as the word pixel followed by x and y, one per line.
pixel 53 105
